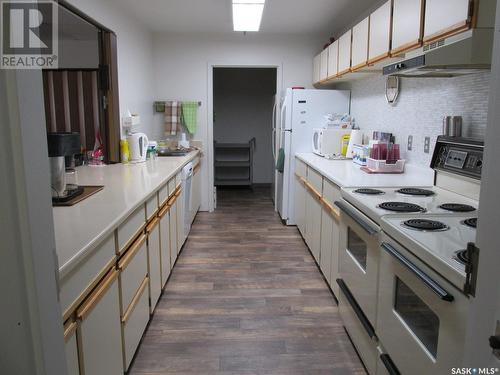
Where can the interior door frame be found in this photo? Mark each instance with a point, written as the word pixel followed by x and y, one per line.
pixel 210 110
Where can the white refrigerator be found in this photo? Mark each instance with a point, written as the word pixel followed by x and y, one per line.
pixel 301 111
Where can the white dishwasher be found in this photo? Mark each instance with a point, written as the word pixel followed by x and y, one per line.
pixel 187 177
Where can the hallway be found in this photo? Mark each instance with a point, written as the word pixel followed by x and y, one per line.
pixel 245 298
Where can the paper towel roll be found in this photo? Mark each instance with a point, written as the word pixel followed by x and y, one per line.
pixel 356 139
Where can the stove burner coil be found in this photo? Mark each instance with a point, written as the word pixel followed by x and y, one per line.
pixel 425 225
pixel 472 222
pixel 369 191
pixel 457 207
pixel 462 256
pixel 416 192
pixel 401 207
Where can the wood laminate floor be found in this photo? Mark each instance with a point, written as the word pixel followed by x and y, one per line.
pixel 245 298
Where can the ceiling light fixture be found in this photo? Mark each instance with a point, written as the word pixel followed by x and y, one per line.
pixel 247 14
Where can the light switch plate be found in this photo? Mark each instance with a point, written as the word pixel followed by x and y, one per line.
pixel 427 145
pixel 410 142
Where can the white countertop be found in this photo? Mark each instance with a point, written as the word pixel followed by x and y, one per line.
pixel 80 228
pixel 345 173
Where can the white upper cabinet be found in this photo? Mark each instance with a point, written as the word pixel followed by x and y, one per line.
pixel 333 59
pixel 380 33
pixel 345 52
pixel 323 65
pixel 445 17
pixel 360 44
pixel 407 24
pixel 316 68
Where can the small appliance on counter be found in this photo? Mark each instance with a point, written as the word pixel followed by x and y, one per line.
pixel 138 147
pixel 330 142
pixel 61 145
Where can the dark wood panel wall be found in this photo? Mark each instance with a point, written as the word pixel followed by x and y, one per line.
pixel 72 104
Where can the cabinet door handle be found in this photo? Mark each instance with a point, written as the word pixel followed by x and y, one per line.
pixel 86 308
pixel 330 209
pixel 130 253
pixel 135 300
pixel 69 330
pixel 349 212
pixel 389 365
pixel 357 309
pixel 152 224
pixel 427 280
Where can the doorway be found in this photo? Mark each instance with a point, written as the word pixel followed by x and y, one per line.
pixel 243 105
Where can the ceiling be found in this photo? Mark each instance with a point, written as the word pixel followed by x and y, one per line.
pixel 309 17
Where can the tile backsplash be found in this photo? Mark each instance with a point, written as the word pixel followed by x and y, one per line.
pixel 420 108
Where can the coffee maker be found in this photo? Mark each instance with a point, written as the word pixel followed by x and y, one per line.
pixel 62 146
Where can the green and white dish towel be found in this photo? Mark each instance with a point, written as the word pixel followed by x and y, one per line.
pixel 189 116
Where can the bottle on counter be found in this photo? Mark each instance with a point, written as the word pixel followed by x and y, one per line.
pixel 124 151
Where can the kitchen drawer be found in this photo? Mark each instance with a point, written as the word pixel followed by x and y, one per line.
pixel 154 262
pixel 331 192
pixel 364 341
pixel 163 195
pixel 171 186
pixel 151 206
pixel 134 322
pixel 77 283
pixel 71 348
pixel 130 228
pixel 133 268
pixel 315 179
pixel 173 231
pixel 99 329
pixel 178 180
pixel 300 168
pixel 165 244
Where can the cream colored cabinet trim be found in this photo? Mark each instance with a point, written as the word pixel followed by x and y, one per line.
pixel 86 308
pixel 313 190
pixel 164 210
pixel 152 224
pixel 331 210
pixel 135 300
pixel 360 44
pixel 129 255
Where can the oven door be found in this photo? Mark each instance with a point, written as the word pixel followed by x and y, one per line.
pixel 421 318
pixel 358 258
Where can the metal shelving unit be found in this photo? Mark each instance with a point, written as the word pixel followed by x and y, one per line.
pixel 233 163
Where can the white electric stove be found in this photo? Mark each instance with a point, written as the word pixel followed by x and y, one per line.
pixel 439 240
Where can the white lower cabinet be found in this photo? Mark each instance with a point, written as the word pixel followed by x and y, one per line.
pixel 313 224
pixel 164 225
pixel 327 223
pixel 71 348
pixel 300 205
pixel 173 233
pixel 181 237
pixel 154 262
pixel 134 322
pixel 99 331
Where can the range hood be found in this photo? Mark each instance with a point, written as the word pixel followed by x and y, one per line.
pixel 466 53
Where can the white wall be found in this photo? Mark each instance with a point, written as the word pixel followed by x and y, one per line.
pixel 421 105
pixel 181 68
pixel 135 63
pixel 243 106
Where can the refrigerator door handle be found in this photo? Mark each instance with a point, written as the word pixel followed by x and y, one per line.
pixel 273 135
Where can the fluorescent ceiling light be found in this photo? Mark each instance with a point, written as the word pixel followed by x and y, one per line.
pixel 247 14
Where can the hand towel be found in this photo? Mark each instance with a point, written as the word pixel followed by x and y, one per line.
pixel 280 163
pixel 172 117
pixel 189 116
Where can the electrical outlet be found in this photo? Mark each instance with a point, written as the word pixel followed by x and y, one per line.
pixel 427 144
pixel 410 142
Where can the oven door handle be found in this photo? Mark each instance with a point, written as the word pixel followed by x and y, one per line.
pixel 429 281
pixel 356 308
pixel 389 365
pixel 349 212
